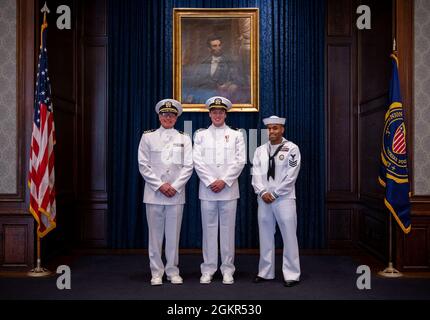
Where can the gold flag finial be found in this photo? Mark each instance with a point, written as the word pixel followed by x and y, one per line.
pixel 44 10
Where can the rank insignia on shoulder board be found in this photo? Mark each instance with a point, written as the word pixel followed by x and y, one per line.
pixel 148 131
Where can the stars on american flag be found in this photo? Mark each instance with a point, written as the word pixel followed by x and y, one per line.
pixel 43 87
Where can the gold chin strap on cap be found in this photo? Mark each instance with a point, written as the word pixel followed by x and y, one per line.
pixel 172 110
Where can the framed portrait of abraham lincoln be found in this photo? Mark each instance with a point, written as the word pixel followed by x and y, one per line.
pixel 215 53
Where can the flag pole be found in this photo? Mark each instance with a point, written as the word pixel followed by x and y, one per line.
pixel 390 271
pixel 39 271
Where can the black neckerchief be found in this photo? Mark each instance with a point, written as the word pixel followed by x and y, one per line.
pixel 271 170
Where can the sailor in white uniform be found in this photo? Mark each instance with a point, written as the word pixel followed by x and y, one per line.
pixel 276 165
pixel 166 164
pixel 219 157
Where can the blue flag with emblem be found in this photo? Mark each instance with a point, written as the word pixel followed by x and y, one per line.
pixel 393 175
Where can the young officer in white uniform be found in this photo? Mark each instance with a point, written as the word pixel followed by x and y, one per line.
pixel 219 157
pixel 166 164
pixel 276 165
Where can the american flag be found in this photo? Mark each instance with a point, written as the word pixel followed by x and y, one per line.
pixel 41 180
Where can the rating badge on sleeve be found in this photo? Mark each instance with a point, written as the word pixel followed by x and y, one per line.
pixel 292 162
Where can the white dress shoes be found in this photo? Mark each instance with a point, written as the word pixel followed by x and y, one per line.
pixel 206 278
pixel 156 281
pixel 227 278
pixel 176 279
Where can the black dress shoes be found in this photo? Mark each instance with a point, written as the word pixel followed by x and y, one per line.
pixel 291 283
pixel 258 279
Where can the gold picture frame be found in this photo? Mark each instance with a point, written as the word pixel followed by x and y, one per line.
pixel 216 53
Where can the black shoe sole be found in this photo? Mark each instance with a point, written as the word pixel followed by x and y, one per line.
pixel 291 284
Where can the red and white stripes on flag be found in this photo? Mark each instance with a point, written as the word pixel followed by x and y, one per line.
pixel 41 179
pixel 399 143
pixel 42 173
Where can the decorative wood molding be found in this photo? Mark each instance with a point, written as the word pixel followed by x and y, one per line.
pixel 16 242
pixel 420 205
pixel 25 32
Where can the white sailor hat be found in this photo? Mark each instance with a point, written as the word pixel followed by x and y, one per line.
pixel 218 102
pixel 274 120
pixel 169 105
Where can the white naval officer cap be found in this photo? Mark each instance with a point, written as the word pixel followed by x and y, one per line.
pixel 218 102
pixel 169 105
pixel 274 120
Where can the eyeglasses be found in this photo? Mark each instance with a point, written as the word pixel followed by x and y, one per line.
pixel 167 115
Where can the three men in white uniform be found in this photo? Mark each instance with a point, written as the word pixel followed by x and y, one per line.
pixel 219 157
pixel 166 164
pixel 276 165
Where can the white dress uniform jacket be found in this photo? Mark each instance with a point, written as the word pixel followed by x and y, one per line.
pixel 287 167
pixel 165 155
pixel 219 153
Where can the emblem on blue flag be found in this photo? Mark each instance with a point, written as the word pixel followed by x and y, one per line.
pixel 393 174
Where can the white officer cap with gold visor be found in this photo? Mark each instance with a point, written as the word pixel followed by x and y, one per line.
pixel 274 120
pixel 218 102
pixel 169 105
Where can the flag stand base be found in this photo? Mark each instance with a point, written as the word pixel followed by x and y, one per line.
pixel 39 271
pixel 390 272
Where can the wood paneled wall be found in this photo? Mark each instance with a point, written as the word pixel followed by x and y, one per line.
pixel 358 73
pixel 93 124
pixel 374 70
pixel 78 72
pixel 358 70
pixel 78 69
pixel 341 123
pixel 16 224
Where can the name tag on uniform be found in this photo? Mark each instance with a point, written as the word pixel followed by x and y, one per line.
pixel 178 145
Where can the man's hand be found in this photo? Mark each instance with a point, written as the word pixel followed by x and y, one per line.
pixel 217 186
pixel 167 190
pixel 268 198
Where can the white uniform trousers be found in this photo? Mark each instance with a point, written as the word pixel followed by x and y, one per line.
pixel 164 220
pixel 225 212
pixel 282 211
